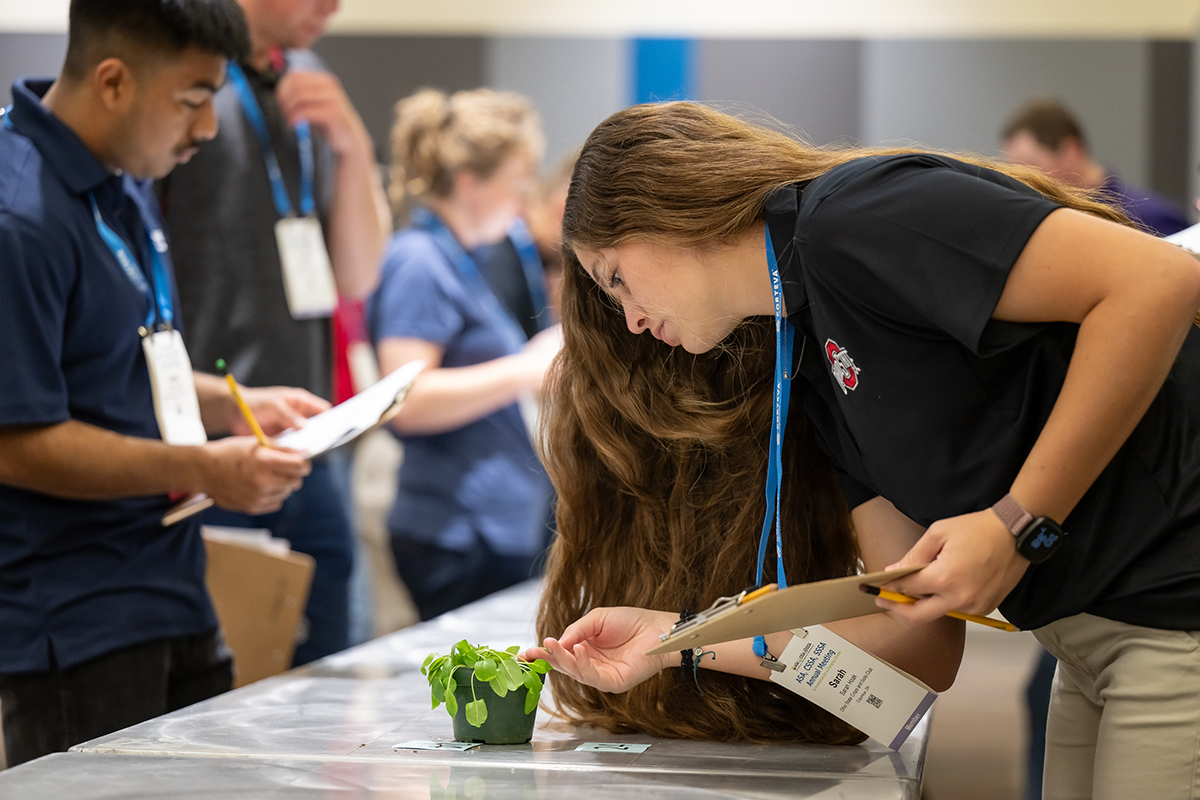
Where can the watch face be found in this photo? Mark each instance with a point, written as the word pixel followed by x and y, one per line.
pixel 1039 541
pixel 1044 538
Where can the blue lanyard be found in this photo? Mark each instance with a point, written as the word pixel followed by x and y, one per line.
pixel 426 220
pixel 255 117
pixel 158 299
pixel 785 338
pixel 535 274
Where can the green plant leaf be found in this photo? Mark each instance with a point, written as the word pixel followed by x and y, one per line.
pixel 533 683
pixel 516 648
pixel 451 702
pixel 476 713
pixel 485 669
pixel 512 671
pixel 499 685
pixel 429 659
pixel 541 666
pixel 438 693
pixel 531 701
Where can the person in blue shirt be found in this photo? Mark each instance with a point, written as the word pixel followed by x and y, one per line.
pixel 470 513
pixel 1045 134
pixel 104 616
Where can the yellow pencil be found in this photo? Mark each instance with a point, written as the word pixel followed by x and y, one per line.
pixel 246 412
pixel 896 597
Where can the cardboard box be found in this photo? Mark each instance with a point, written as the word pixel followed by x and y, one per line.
pixel 259 593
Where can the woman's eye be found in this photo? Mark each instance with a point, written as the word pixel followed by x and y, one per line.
pixel 614 281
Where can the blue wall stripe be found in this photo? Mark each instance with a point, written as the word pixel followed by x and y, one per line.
pixel 663 69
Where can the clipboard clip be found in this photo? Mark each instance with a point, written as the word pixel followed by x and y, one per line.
pixel 720 606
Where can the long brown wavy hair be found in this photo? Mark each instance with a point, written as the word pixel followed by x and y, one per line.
pixel 659 456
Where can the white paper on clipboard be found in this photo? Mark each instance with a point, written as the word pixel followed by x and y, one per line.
pixel 349 420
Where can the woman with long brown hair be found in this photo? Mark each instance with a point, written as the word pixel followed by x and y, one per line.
pixel 978 351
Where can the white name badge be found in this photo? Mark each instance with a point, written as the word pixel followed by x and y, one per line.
pixel 307 273
pixel 853 685
pixel 174 388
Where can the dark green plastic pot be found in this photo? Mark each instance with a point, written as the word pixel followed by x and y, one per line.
pixel 506 723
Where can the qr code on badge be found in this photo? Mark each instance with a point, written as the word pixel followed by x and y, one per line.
pixel 875 701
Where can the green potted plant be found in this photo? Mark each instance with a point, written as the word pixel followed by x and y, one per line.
pixel 491 696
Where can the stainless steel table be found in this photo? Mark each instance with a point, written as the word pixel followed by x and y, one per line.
pixel 333 729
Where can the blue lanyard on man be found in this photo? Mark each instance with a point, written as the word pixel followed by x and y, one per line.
pixel 426 220
pixel 158 298
pixel 258 124
pixel 785 337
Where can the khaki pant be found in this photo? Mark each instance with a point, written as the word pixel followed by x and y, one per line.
pixel 1125 711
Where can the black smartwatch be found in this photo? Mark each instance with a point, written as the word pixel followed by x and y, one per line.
pixel 1037 537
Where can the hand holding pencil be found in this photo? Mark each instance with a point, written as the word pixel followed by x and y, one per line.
pixel 268 411
pixel 896 597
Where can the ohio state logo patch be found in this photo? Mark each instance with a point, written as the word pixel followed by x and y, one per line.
pixel 845 371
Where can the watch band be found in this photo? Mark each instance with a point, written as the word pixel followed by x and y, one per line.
pixel 1010 512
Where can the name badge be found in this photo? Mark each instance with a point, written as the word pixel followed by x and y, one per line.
pixel 853 685
pixel 307 273
pixel 174 388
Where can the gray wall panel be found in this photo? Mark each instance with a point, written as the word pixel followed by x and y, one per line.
pixel 377 71
pixel 1169 87
pixel 957 94
pixel 812 85
pixel 575 83
pixel 29 55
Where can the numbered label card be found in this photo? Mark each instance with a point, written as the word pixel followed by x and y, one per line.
pixel 307 273
pixel 612 747
pixel 423 745
pixel 173 388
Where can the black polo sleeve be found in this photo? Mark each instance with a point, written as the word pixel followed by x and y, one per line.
pixel 923 241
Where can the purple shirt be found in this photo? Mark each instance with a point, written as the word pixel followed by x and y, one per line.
pixel 1153 211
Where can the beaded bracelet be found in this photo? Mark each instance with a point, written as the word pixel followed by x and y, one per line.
pixel 686 657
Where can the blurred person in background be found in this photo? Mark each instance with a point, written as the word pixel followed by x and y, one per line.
pixel 471 506
pixel 286 196
pixel 1046 135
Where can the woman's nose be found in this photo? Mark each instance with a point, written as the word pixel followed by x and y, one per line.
pixel 635 319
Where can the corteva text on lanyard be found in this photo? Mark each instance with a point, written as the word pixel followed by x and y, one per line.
pixel 785 338
pixel 307 274
pixel 171 382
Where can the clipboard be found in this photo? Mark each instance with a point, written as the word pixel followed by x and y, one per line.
pixel 332 428
pixel 756 612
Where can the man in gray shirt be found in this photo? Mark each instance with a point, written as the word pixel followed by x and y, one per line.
pixel 290 147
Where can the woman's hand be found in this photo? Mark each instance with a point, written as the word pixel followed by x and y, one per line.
pixel 973 565
pixel 606 648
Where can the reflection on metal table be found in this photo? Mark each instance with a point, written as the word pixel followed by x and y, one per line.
pixel 333 728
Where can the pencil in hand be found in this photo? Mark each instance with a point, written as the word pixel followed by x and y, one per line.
pixel 896 597
pixel 245 409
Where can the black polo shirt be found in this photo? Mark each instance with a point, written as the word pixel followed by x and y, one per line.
pixel 79 578
pixel 891 269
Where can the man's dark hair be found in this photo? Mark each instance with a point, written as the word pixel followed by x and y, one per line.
pixel 1048 121
pixel 101 29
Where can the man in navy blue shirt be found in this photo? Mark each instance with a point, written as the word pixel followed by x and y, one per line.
pixel 1046 135
pixel 104 617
